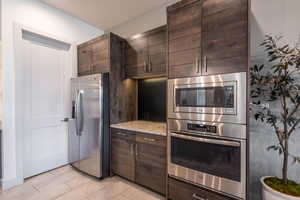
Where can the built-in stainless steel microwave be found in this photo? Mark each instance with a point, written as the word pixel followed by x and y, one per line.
pixel 219 98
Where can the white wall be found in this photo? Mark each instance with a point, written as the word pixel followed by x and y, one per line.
pixel 1 91
pixel 275 17
pixel 140 24
pixel 1 105
pixel 36 15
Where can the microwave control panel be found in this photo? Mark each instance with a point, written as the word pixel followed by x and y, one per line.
pixel 202 128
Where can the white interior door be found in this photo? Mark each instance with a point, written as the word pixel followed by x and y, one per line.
pixel 47 96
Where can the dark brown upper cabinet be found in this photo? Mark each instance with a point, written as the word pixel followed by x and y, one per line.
pixel 225 36
pixel 100 58
pixel 145 54
pixel 184 35
pixel 84 59
pixel 93 56
pixel 207 37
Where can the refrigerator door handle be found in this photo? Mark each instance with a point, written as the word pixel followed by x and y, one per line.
pixel 80 113
pixel 77 113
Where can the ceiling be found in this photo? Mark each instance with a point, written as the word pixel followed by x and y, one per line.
pixel 106 14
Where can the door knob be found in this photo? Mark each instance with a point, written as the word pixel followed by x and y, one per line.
pixel 65 120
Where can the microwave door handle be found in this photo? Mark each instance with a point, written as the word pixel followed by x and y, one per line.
pixel 206 140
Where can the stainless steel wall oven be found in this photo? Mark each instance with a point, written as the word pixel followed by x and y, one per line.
pixel 212 155
pixel 207 132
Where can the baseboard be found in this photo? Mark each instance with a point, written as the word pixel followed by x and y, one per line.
pixel 7 184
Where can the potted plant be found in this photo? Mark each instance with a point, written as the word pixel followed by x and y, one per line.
pixel 275 93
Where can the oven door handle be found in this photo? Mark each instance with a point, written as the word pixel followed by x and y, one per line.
pixel 207 140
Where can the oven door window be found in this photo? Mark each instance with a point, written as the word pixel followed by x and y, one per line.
pixel 215 97
pixel 214 159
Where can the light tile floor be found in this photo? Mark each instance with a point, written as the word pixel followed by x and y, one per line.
pixel 68 184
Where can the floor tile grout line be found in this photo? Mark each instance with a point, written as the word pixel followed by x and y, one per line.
pixel 70 189
pixel 69 183
pixel 34 187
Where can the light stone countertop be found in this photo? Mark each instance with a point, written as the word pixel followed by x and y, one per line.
pixel 156 128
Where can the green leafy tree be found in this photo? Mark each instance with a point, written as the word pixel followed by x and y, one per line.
pixel 278 83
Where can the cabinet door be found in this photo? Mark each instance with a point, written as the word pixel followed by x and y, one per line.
pixel 84 60
pixel 225 36
pixel 136 57
pixel 157 52
pixel 123 155
pixel 183 191
pixel 151 162
pixel 100 61
pixel 184 39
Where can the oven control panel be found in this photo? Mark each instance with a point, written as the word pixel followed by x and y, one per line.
pixel 202 128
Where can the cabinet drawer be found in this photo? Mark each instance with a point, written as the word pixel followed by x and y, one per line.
pixel 123 134
pixel 152 139
pixel 183 191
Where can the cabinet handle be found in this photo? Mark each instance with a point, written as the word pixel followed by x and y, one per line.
pixel 195 196
pixel 122 134
pixel 136 150
pixel 149 139
pixel 205 63
pixel 131 149
pixel 145 66
pixel 150 64
pixel 197 65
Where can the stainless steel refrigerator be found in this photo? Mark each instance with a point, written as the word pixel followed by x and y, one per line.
pixel 89 126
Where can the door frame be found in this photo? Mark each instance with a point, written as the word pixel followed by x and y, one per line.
pixel 19 91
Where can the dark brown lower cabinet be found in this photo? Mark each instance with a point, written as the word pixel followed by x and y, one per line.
pixel 179 190
pixel 140 158
pixel 150 166
pixel 122 154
